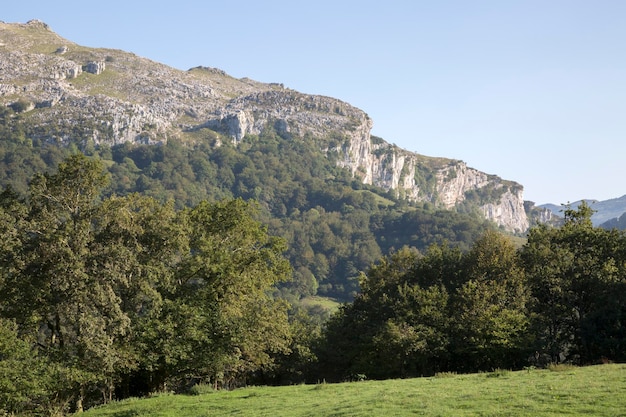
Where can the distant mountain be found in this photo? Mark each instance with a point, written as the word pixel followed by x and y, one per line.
pixel 616 223
pixel 66 92
pixel 606 213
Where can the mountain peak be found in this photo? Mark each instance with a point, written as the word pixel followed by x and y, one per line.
pixel 36 23
pixel 109 96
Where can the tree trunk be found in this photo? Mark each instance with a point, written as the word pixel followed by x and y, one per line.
pixel 79 401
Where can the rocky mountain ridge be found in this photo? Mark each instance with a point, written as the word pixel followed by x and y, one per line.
pixel 111 96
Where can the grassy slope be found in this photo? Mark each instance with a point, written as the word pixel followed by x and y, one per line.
pixel 596 390
pixel 327 303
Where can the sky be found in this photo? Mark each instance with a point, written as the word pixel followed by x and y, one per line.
pixel 532 91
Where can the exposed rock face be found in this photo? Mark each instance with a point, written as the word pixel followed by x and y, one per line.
pixel 392 168
pixel 132 99
pixel 94 67
pixel 456 180
pixel 544 215
pixel 507 212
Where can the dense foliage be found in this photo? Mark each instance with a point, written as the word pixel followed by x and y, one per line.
pixel 334 226
pixel 561 297
pixel 106 298
pixel 125 295
pixel 142 268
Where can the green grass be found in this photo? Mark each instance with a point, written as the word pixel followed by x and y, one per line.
pixel 380 200
pixel 592 391
pixel 326 303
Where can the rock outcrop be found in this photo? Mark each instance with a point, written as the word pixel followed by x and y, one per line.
pixel 508 211
pixel 95 67
pixel 110 96
pixel 443 182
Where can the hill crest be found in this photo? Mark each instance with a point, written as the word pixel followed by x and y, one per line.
pixel 109 96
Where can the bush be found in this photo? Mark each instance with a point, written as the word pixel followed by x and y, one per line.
pixel 202 389
pixel 497 373
pixel 21 106
pixel 23 380
pixel 445 374
pixel 561 367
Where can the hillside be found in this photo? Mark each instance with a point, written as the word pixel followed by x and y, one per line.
pixel 340 197
pixel 594 390
pixel 104 96
pixel 165 230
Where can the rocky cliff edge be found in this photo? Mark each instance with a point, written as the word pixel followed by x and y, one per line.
pixel 111 96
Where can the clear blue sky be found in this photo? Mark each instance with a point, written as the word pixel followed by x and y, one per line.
pixel 533 91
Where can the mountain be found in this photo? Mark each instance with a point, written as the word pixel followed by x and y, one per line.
pixel 104 96
pixel 607 212
pixel 339 197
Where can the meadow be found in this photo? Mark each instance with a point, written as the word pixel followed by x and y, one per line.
pixel 561 390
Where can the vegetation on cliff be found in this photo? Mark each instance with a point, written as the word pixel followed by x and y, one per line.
pixel 154 245
pixel 334 226
pixel 105 296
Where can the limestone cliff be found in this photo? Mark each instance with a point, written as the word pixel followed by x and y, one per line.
pixel 444 182
pixel 110 96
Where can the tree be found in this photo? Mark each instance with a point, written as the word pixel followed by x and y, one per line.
pixel 215 323
pixel 415 341
pixel 127 294
pixel 421 314
pixel 78 278
pixel 489 309
pixel 25 383
pixel 396 327
pixel 576 273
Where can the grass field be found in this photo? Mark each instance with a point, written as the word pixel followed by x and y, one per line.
pixel 326 303
pixel 562 391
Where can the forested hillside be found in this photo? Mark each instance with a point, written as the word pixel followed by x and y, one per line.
pixel 163 229
pixel 95 97
pixel 104 297
pixel 561 297
pixel 334 225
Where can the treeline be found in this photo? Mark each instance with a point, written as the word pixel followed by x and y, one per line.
pixel 561 297
pixel 104 298
pixel 334 226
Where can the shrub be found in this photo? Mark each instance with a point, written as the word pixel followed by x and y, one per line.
pixel 445 374
pixel 202 389
pixel 560 367
pixel 21 106
pixel 497 373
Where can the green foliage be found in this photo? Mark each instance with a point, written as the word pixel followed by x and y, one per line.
pixel 25 382
pixel 142 277
pixel 334 226
pixel 202 389
pixel 487 194
pixel 558 298
pixel 214 319
pixel 576 273
pixel 561 367
pixel 489 311
pixel 395 328
pixel 121 292
pixel 110 293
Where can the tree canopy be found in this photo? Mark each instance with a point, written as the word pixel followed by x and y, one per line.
pixel 127 293
pixel 334 226
pixel 560 297
pixel 105 296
